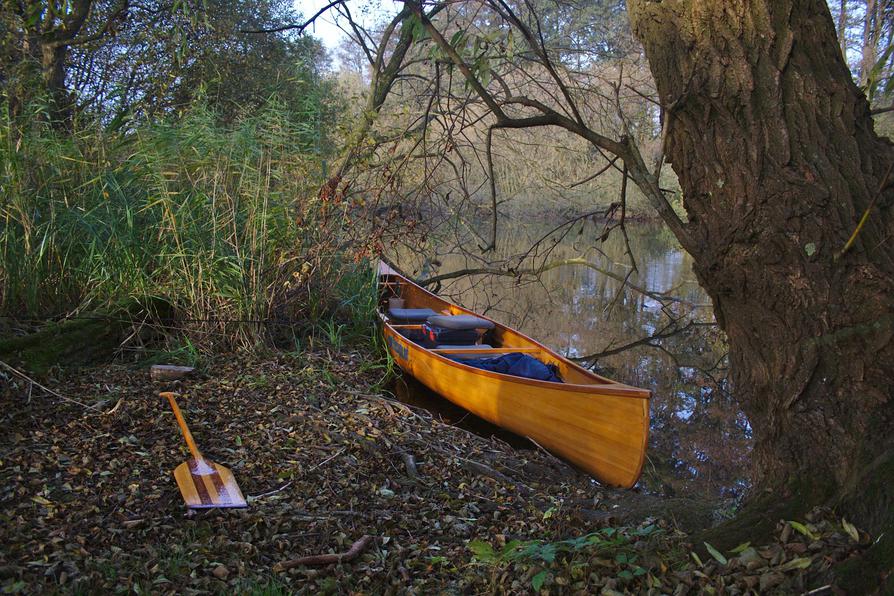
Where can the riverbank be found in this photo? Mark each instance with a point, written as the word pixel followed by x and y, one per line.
pixel 88 503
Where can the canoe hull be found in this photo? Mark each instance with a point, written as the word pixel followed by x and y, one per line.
pixel 600 427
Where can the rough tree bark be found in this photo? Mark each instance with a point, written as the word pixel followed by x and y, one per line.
pixel 775 150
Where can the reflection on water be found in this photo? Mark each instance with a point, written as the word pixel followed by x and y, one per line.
pixel 699 439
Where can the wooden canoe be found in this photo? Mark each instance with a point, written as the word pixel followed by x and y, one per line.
pixel 599 425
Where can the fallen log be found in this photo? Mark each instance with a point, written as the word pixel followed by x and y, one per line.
pixel 328 559
pixel 87 340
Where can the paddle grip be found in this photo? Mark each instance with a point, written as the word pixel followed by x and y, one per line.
pixel 190 442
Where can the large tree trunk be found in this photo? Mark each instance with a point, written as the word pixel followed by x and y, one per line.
pixel 52 68
pixel 775 151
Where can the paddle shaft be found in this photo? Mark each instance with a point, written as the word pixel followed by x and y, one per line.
pixel 190 442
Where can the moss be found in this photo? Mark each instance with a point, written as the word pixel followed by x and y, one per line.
pixel 755 523
pixel 77 342
pixel 70 343
pixel 871 509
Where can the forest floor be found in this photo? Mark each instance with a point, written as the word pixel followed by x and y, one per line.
pixel 88 502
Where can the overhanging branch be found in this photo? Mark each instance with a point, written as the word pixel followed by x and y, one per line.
pixel 299 27
pixel 624 148
pixel 577 261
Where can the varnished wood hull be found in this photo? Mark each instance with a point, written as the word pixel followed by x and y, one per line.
pixel 595 423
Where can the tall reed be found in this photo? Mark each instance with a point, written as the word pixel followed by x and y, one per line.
pixel 222 224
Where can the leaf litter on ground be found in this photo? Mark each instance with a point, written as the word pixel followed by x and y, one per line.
pixel 88 502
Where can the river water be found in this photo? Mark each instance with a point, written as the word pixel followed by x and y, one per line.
pixel 699 440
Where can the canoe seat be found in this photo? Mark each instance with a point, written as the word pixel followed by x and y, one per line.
pixel 470 347
pixel 410 315
pixel 459 322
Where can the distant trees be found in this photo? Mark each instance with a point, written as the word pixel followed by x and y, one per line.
pixel 111 58
pixel 865 30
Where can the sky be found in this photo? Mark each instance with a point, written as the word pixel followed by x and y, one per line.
pixel 324 28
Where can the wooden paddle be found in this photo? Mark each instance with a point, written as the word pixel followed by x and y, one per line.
pixel 203 483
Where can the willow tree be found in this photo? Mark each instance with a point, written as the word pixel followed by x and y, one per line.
pixel 788 201
pixel 787 197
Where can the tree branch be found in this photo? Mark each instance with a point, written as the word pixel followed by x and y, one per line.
pixel 299 27
pixel 493 188
pixel 665 332
pixel 659 296
pixel 596 175
pixel 106 28
pixel 327 559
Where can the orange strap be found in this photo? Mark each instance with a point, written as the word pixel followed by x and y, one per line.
pixel 186 434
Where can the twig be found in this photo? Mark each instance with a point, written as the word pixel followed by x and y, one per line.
pixel 493 189
pixel 300 27
pixel 272 492
pixel 114 409
pixel 658 296
pixel 479 468
pixel 327 460
pixel 47 389
pixel 668 331
pixel 865 217
pixel 596 175
pixel 327 559
pixel 547 452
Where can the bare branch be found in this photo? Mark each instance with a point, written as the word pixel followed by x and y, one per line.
pixel 668 331
pixel 299 27
pixel 493 189
pixel 596 175
pixel 579 261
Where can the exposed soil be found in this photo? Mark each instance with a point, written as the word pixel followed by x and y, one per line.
pixel 88 502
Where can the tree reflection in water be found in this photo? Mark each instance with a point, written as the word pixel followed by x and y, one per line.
pixel 700 440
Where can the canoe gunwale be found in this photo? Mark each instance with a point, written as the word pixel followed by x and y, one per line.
pixel 600 388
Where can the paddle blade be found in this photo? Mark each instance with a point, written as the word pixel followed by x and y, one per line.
pixel 205 484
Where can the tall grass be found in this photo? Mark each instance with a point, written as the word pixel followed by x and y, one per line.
pixel 223 224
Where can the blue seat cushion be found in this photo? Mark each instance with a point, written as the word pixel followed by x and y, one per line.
pixel 411 315
pixel 459 322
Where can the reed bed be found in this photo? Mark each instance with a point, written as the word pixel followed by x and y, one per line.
pixel 223 225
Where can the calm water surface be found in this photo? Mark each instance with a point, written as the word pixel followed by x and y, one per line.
pixel 699 441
